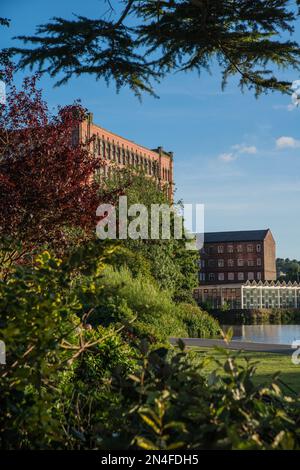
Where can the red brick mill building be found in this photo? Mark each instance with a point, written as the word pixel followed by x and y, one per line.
pixel 230 257
pixel 119 152
pixel 239 268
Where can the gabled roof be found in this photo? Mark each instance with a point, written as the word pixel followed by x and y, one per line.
pixel 238 236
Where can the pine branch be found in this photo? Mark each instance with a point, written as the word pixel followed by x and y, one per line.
pixel 171 36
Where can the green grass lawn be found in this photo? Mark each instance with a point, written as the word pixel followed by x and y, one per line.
pixel 267 365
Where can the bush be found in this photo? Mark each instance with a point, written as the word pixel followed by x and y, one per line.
pixel 123 296
pixel 68 385
pixel 56 364
pixel 170 404
pixel 157 316
pixel 199 324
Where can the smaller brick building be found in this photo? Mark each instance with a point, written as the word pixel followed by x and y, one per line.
pixel 237 257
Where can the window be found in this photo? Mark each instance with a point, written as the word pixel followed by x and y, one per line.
pixel 249 248
pixel 221 277
pixel 230 248
pixel 250 262
pixel 75 137
pixel 230 262
pixel 113 152
pixel 211 263
pixel 240 262
pixel 258 248
pixel 240 276
pixel 251 276
pixel 230 276
pixel 220 263
pixel 258 276
pixel 210 250
pixel 220 249
pixel 240 248
pixel 108 150
pixel 258 262
pixel 201 277
pixel 211 277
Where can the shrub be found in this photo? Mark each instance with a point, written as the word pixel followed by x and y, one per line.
pixel 69 385
pixel 199 324
pixel 55 362
pixel 123 296
pixel 170 404
pixel 150 312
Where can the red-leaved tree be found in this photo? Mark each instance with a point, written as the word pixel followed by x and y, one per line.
pixel 46 176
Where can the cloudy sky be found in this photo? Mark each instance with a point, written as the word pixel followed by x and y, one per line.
pixel 238 155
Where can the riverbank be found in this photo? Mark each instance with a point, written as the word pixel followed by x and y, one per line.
pixel 256 316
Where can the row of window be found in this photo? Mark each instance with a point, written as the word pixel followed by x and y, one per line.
pixel 220 263
pixel 110 151
pixel 250 248
pixel 250 276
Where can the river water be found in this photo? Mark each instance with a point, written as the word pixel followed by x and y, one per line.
pixel 276 334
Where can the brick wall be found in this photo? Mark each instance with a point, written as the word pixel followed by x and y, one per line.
pixel 231 262
pixel 119 152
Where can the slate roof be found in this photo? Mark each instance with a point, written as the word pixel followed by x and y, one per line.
pixel 238 236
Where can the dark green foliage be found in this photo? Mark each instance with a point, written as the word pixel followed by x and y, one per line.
pixel 70 383
pixel 199 324
pixel 151 38
pixel 5 54
pixel 167 262
pixel 150 312
pixel 257 316
pixel 48 347
pixel 168 404
pixel 288 269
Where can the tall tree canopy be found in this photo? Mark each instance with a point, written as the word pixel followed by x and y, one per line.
pixel 45 172
pixel 150 38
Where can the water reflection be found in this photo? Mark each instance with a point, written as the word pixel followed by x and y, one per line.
pixel 276 334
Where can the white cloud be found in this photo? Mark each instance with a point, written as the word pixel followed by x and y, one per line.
pixel 287 107
pixel 287 142
pixel 227 157
pixel 242 148
pixel 237 150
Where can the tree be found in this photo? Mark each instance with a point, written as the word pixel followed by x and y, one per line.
pixel 4 53
pixel 46 173
pixel 166 260
pixel 288 270
pixel 151 38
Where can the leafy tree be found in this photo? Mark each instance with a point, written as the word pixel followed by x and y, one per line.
pixel 167 261
pixel 5 54
pixel 46 174
pixel 151 38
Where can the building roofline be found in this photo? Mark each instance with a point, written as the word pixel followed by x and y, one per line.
pixel 167 154
pixel 236 236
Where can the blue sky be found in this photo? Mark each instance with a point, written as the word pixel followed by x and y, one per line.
pixel 238 155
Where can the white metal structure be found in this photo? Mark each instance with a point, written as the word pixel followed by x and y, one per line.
pixel 270 295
